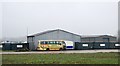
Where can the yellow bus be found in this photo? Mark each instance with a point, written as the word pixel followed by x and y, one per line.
pixel 51 45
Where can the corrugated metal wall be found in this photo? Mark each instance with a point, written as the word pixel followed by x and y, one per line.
pixel 6 46
pixel 31 41
pixel 79 45
pixel 96 45
pixel 11 46
pixel 24 46
pixel 99 39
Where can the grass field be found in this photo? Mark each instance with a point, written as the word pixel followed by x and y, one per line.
pixel 79 58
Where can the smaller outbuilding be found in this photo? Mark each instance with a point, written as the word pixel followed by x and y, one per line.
pixel 83 45
pixel 14 46
pixel 96 45
pixel 99 38
pixel 5 46
pixel 114 45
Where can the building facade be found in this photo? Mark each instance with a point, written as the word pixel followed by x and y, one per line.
pixel 13 46
pixel 100 38
pixel 51 35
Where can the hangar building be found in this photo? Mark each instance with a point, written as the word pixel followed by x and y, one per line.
pixel 98 38
pixel 57 34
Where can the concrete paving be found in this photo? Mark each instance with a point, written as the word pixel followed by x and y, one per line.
pixel 65 51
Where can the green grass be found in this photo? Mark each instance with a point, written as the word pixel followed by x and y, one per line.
pixel 78 58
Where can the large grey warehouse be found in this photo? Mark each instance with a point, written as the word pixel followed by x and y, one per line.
pixel 57 34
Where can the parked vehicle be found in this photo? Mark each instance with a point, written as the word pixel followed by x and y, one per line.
pixel 69 45
pixel 50 45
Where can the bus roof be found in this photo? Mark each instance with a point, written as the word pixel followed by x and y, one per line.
pixel 53 40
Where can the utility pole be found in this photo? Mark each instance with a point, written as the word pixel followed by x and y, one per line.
pixel 27 34
pixel 119 21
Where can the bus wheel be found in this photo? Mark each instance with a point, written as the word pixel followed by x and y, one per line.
pixel 47 49
pixel 60 49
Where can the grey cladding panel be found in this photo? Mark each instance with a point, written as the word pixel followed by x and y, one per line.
pixel 69 36
pixel 31 41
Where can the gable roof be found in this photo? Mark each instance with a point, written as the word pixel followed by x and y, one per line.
pixel 94 36
pixel 51 31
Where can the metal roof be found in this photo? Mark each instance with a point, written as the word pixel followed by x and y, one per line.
pixel 93 36
pixel 50 31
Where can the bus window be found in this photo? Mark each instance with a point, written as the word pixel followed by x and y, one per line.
pixel 54 42
pixel 50 42
pixel 63 42
pixel 59 42
pixel 45 42
pixel 42 42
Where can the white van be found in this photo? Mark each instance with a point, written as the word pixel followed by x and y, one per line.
pixel 69 44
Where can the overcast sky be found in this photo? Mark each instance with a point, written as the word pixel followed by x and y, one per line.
pixel 83 17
